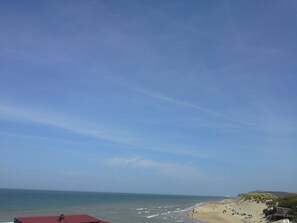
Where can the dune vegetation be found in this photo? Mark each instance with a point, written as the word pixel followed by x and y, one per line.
pixel 289 201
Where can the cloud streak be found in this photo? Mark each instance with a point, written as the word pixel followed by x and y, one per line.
pixel 61 121
pixel 192 106
pixel 161 168
pixel 65 122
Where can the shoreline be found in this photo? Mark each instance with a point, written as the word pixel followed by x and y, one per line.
pixel 229 210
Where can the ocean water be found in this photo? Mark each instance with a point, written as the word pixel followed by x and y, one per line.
pixel 112 207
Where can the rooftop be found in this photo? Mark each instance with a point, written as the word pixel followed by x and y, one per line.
pixel 60 219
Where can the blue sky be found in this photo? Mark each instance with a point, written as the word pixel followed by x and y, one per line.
pixel 178 97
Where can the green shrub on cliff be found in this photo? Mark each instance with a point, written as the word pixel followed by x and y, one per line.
pixel 289 202
pixel 259 197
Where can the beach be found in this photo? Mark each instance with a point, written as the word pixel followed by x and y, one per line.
pixel 231 211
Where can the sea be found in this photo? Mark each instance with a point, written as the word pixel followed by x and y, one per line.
pixel 112 207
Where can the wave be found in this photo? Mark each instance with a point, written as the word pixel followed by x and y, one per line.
pixel 140 209
pixel 151 216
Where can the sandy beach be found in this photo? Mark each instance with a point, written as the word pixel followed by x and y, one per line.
pixel 231 211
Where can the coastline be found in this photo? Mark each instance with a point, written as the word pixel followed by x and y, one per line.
pixel 112 207
pixel 229 210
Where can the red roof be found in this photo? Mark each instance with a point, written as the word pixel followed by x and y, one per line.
pixel 56 219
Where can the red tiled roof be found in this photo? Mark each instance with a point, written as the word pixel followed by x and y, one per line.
pixel 55 219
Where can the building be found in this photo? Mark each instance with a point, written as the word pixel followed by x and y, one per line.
pixel 59 219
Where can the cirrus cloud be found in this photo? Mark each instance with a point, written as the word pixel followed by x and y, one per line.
pixel 160 168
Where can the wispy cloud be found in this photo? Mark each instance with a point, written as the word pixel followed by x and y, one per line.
pixel 33 137
pixel 65 122
pixel 162 168
pixel 61 121
pixel 192 106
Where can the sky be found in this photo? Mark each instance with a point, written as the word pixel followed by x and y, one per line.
pixel 167 97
